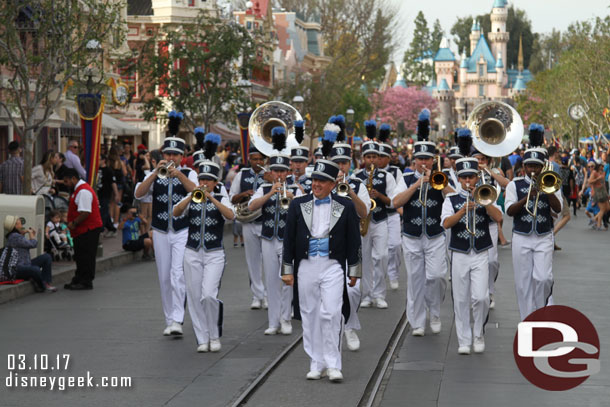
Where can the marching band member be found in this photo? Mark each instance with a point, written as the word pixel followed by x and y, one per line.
pixel 532 235
pixel 298 163
pixel 496 178
pixel 375 242
pixel 320 250
pixel 394 247
pixel 454 155
pixel 341 155
pixel 170 231
pixel 423 241
pixel 245 183
pixel 267 197
pixel 470 240
pixel 204 259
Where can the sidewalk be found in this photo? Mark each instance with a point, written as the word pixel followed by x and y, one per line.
pixel 429 372
pixel 63 271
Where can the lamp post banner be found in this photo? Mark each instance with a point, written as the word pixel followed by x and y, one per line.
pixel 243 119
pixel 90 109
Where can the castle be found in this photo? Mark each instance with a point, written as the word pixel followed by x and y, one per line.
pixel 464 82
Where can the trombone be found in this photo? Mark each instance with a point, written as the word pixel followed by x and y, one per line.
pixel 548 182
pixel 438 181
pixel 164 170
pixel 199 194
pixel 485 194
pixel 343 187
pixel 472 231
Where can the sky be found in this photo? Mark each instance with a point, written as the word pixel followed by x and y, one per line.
pixel 544 14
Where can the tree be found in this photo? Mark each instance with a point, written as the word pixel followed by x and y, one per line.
pixel 461 31
pixel 546 49
pixel 436 36
pixel 195 69
pixel 43 45
pixel 416 70
pixel 400 104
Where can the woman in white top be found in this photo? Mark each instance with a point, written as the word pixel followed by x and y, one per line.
pixel 43 174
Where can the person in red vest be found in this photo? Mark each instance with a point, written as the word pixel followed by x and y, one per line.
pixel 85 224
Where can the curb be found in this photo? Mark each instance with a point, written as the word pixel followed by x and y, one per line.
pixel 13 292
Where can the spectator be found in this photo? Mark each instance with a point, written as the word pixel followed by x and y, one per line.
pixel 64 227
pixel 107 192
pixel 37 269
pixel 43 175
pixel 142 163
pixel 11 171
pixel 599 194
pixel 568 183
pixel 117 166
pixel 73 159
pixel 397 160
pixel 514 158
pixel 53 230
pixel 59 176
pixel 135 237
pixel 85 224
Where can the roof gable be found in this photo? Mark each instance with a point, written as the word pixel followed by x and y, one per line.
pixel 444 54
pixel 482 49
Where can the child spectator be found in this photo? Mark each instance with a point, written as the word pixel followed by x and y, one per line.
pixel 135 237
pixel 64 227
pixel 54 232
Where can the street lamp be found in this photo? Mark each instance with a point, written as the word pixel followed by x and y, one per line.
pixel 298 103
pixel 444 127
pixel 94 48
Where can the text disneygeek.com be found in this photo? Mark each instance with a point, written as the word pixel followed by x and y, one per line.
pixel 27 371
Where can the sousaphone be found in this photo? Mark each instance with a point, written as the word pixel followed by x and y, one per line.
pixel 265 118
pixel 497 128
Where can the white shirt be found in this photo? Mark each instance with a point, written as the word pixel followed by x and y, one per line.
pixel 236 184
pixel 223 200
pixel 511 195
pixel 259 193
pixel 192 177
pixel 83 199
pixel 320 224
pixel 73 161
pixel 401 186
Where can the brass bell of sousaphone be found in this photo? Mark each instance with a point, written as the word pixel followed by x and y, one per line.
pixel 265 118
pixel 497 129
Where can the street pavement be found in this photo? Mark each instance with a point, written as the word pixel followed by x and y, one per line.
pixel 429 372
pixel 115 330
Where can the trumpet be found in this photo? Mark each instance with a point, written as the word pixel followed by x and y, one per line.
pixel 199 194
pixel 164 170
pixel 438 181
pixel 284 200
pixel 485 193
pixel 343 187
pixel 364 223
pixel 548 182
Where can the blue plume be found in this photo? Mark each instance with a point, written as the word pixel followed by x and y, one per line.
pixel 330 136
pixel 199 130
pixel 212 138
pixel 339 120
pixel 332 119
pixel 424 115
pixel 384 133
pixel 277 131
pixel 299 123
pixel 371 129
pixel 173 122
pixel 464 141
pixel 536 133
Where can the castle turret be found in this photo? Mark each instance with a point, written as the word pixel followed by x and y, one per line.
pixel 500 72
pixel 446 100
pixel 475 34
pixel 463 72
pixel 498 37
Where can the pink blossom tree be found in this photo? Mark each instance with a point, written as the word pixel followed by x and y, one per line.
pixel 400 104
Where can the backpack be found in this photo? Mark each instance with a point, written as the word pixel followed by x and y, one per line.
pixel 8 263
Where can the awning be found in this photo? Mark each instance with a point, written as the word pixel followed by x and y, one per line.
pixel 110 125
pixel 227 133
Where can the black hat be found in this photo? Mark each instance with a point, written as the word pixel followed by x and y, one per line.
pixel 254 150
pixel 173 145
pixel 299 130
pixel 325 170
pixel 467 165
pixel 424 149
pixel 299 154
pixel 534 155
pixel 341 152
pixel 339 120
pixel 464 142
pixel 209 170
pixel 454 152
pixel 318 152
pixel 370 147
pixel 279 162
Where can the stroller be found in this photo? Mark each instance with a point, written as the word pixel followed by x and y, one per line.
pixel 56 246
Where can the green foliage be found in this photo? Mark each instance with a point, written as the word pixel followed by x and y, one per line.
pixel 461 32
pixel 196 70
pixel 583 72
pixel 436 36
pixel 419 49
